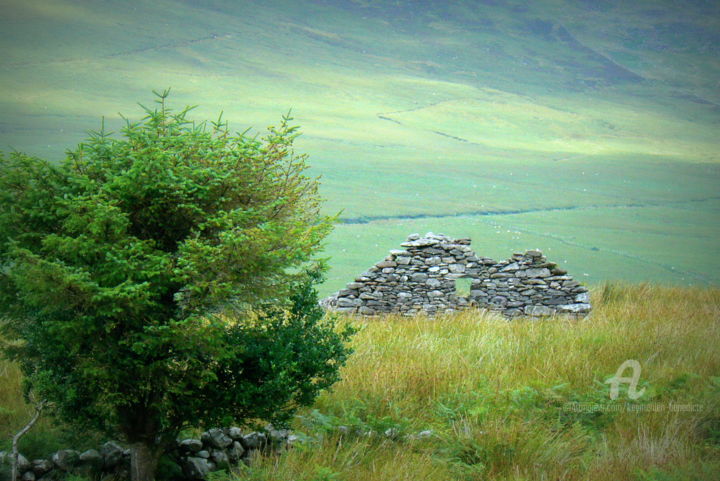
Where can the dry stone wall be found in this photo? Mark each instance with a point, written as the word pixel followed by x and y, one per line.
pixel 216 449
pixel 423 278
pixel 527 284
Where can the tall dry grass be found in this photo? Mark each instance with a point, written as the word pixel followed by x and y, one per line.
pixel 495 395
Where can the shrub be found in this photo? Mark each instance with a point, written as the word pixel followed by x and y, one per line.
pixel 161 280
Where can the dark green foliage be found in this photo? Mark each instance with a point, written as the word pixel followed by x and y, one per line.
pixel 161 280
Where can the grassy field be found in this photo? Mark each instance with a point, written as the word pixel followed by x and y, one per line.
pixel 585 129
pixel 420 109
pixel 522 400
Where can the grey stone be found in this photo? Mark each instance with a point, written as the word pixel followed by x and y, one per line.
pixel 190 445
pixel 278 437
pixel 457 268
pixel 216 438
pixel 418 277
pixel 347 302
pixel 112 454
pixel 22 463
pixel 538 311
pixel 574 308
pixel 420 243
pixel 558 278
pixel 28 476
pixel 254 440
pixel 92 458
pixel 502 275
pixel 392 433
pixel 478 293
pixel 583 298
pixel 234 432
pixel 433 282
pixel 554 301
pixel 541 272
pixel 42 466
pixel 235 452
pixel 204 454
pixel 292 440
pixel 220 459
pixel 65 459
pixel 432 261
pixel 195 468
pixel 386 263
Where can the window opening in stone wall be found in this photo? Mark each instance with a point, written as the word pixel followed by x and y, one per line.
pixel 462 286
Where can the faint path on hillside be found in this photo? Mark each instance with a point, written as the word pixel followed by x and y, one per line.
pixel 123 53
pixel 387 117
pixel 481 213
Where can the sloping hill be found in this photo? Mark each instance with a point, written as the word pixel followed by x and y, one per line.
pixel 421 108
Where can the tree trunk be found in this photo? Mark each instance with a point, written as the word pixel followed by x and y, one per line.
pixel 143 461
pixel 15 475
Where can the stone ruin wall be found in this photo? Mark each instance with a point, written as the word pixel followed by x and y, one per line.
pixel 422 278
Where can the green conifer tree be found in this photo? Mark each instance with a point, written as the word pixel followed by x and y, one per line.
pixel 159 280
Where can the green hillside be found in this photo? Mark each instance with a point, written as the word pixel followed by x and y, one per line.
pixel 586 129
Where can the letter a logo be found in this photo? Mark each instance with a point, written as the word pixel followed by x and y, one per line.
pixel 632 381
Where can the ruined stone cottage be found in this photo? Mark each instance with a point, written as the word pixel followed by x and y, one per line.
pixel 424 277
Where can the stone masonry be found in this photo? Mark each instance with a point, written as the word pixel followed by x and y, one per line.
pixel 422 278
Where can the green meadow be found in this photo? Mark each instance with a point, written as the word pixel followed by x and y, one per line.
pixel 588 131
